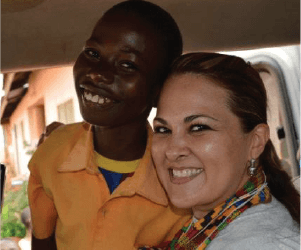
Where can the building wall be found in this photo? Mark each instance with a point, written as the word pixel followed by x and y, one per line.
pixel 2 148
pixel 47 89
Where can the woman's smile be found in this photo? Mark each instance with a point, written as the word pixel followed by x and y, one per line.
pixel 183 175
pixel 199 158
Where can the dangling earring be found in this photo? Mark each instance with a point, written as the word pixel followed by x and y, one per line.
pixel 252 168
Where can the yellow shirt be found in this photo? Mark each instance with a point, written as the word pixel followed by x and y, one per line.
pixel 69 195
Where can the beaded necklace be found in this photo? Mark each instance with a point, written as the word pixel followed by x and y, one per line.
pixel 198 234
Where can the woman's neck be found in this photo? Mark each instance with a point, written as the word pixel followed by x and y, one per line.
pixel 199 214
pixel 124 143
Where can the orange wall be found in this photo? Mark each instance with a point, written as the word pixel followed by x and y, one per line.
pixel 47 89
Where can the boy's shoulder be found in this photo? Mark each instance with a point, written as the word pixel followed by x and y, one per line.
pixel 60 141
pixel 65 134
pixel 68 129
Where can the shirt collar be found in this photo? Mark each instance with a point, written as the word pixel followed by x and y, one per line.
pixel 144 182
pixel 80 154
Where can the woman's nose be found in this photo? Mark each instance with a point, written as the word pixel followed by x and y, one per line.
pixel 177 149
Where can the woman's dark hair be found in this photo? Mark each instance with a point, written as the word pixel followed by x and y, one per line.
pixel 248 101
pixel 162 22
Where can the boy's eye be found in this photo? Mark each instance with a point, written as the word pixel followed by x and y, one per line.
pixel 161 130
pixel 128 66
pixel 198 127
pixel 92 53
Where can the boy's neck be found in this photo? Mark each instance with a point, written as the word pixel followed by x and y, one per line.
pixel 122 143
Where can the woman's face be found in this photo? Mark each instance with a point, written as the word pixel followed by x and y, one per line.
pixel 117 71
pixel 199 148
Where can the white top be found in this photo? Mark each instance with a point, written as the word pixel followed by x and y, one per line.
pixel 25 244
pixel 262 227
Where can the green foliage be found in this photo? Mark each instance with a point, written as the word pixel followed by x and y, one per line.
pixel 26 144
pixel 13 229
pixel 14 203
pixel 29 151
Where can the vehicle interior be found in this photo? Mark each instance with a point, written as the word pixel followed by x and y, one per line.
pixel 41 33
pixel 38 34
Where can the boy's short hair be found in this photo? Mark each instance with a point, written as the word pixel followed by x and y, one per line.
pixel 163 23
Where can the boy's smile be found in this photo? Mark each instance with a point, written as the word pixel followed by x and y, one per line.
pixel 117 73
pixel 96 97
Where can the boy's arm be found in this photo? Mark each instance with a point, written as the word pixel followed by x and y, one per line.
pixel 43 215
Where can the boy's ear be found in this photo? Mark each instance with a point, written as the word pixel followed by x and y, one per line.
pixel 260 136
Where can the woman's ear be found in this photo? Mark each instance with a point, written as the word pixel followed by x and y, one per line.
pixel 260 136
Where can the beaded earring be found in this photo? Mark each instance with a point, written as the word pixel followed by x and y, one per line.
pixel 252 168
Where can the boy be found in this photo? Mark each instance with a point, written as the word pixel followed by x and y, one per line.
pixel 93 183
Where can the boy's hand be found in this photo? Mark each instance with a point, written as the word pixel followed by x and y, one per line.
pixel 48 130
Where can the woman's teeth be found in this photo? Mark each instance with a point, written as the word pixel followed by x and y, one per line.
pixel 186 172
pixel 96 98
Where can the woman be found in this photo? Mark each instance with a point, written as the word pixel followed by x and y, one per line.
pixel 213 154
pixel 80 193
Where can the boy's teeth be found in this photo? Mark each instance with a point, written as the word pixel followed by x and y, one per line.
pixel 96 98
pixel 107 100
pixel 89 96
pixel 186 172
pixel 101 100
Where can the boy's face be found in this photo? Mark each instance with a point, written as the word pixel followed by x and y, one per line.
pixel 117 71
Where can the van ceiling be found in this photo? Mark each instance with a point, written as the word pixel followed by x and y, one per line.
pixel 44 33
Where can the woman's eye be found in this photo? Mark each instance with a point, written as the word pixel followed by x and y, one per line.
pixel 92 53
pixel 198 128
pixel 161 130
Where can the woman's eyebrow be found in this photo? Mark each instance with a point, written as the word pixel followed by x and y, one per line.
pixel 158 119
pixel 193 117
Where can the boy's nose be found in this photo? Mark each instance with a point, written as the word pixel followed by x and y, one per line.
pixel 97 77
